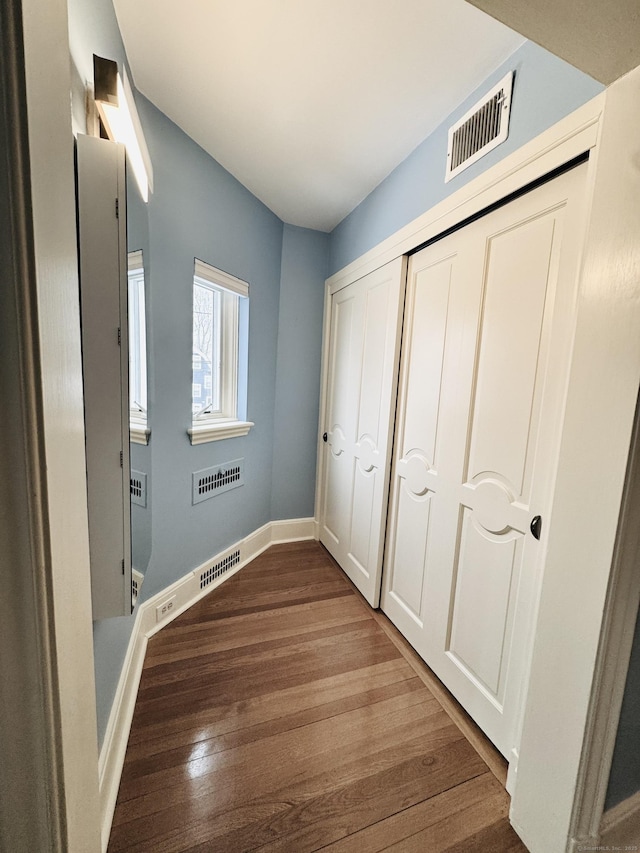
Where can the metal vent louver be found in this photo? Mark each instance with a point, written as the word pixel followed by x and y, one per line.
pixel 218 479
pixel 138 488
pixel 224 565
pixel 481 129
pixel 136 583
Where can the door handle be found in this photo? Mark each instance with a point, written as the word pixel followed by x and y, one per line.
pixel 536 526
pixel 324 437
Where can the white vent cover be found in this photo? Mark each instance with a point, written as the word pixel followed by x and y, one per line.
pixel 138 488
pixel 224 565
pixel 481 129
pixel 136 583
pixel 220 478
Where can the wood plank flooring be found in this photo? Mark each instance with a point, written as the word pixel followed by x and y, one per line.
pixel 281 713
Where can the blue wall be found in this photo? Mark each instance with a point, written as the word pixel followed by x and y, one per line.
pixel 199 210
pixel 625 769
pixel 545 89
pixel 297 402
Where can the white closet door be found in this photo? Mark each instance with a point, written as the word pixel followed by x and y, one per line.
pixel 485 359
pixel 361 388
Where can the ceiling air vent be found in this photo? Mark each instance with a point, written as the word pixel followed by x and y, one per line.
pixel 481 129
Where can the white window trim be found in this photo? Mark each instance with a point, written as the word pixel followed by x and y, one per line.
pixel 221 424
pixel 217 430
pixel 139 431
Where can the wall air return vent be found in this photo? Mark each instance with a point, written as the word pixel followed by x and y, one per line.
pixel 136 583
pixel 481 129
pixel 220 478
pixel 224 565
pixel 138 488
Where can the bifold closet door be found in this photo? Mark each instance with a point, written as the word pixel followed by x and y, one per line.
pixel 485 359
pixel 361 384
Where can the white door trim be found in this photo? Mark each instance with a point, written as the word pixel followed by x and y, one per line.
pixel 51 168
pixel 550 810
pixel 611 671
pixel 579 589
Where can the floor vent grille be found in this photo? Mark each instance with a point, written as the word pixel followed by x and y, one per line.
pixel 220 478
pixel 481 129
pixel 138 488
pixel 224 565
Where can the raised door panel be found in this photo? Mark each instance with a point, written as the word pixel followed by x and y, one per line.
pixel 344 366
pixel 372 418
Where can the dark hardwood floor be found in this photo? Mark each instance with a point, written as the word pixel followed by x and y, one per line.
pixel 281 713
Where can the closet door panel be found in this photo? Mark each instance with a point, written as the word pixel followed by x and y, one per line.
pixel 496 494
pixel 479 423
pixel 361 389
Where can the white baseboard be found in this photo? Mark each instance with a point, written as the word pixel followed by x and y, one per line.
pixel 620 825
pixel 186 591
pixel 117 734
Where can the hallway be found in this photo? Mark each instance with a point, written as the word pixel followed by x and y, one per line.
pixel 282 713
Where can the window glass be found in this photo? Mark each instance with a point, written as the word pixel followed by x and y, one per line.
pixel 207 343
pixel 219 368
pixel 137 339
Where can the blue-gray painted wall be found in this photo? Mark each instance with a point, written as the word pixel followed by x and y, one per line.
pixel 199 210
pixel 545 90
pixel 304 270
pixel 625 769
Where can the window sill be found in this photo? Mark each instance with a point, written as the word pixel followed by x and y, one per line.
pixel 216 431
pixel 139 433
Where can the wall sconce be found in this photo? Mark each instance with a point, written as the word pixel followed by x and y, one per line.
pixel 117 109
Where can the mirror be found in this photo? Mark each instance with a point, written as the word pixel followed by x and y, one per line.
pixel 138 288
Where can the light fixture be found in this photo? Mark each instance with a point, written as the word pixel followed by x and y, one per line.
pixel 117 109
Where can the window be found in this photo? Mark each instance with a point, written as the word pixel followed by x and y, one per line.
pixel 138 427
pixel 220 321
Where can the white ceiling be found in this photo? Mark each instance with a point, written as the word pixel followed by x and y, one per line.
pixel 310 103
